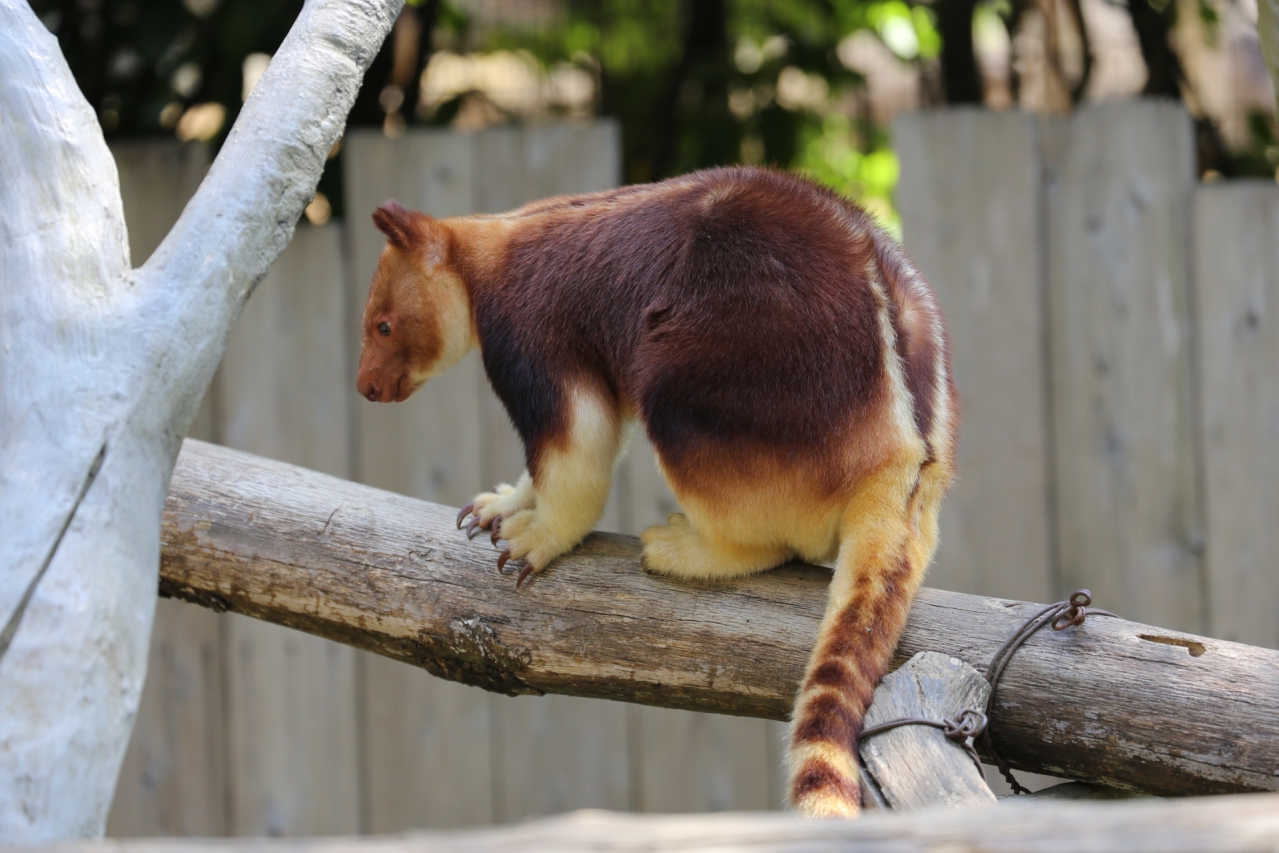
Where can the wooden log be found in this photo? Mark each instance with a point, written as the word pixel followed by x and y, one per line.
pixel 1207 825
pixel 915 766
pixel 1110 701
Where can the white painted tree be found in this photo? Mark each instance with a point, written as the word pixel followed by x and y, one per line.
pixel 101 369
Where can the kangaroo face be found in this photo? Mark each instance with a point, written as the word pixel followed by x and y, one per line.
pixel 417 320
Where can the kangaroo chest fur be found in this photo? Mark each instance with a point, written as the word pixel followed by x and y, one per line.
pixel 785 358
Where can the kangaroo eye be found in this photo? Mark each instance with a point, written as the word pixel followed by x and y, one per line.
pixel 384 328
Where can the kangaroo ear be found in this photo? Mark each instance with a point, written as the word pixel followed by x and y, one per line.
pixel 398 223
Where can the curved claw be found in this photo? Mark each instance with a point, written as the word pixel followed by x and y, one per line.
pixel 463 513
pixel 524 573
pixel 497 523
pixel 470 528
pixel 502 558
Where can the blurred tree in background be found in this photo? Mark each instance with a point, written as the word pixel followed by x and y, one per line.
pixel 804 84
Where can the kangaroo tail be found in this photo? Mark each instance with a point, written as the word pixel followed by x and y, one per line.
pixel 887 538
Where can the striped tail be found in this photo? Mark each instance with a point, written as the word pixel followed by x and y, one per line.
pixel 887 539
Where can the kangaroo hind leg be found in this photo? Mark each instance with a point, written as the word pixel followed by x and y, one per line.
pixel 680 549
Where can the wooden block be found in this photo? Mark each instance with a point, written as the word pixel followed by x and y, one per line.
pixel 1237 300
pixel 915 766
pixel 1127 484
pixel 976 234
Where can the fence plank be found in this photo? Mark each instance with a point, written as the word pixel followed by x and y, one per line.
pixel 555 753
pixel 1237 301
pixel 173 778
pixel 550 753
pixel 291 709
pixel 427 758
pixel 691 762
pixel 975 234
pixel 157 179
pixel 291 733
pixel 1124 445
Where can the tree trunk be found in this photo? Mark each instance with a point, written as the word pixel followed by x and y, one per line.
pixel 102 369
pixel 960 76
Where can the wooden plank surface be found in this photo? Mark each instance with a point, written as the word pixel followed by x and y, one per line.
pixel 685 761
pixel 1126 470
pixel 1127 705
pixel 976 233
pixel 157 179
pixel 1237 297
pixel 173 779
pixel 1239 824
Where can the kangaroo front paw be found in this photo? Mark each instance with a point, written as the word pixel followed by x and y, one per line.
pixel 530 539
pixel 487 508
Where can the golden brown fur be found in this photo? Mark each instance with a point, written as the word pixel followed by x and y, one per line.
pixel 785 358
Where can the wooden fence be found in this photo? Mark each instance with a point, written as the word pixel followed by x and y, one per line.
pixel 1112 344
pixel 1116 346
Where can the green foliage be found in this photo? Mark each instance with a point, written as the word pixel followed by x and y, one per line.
pixel 829 153
pixel 701 83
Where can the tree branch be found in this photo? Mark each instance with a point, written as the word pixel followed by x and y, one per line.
pixel 1110 701
pixel 245 210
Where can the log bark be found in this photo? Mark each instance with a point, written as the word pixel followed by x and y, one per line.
pixel 101 369
pixel 1238 824
pixel 1111 701
pixel 913 767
